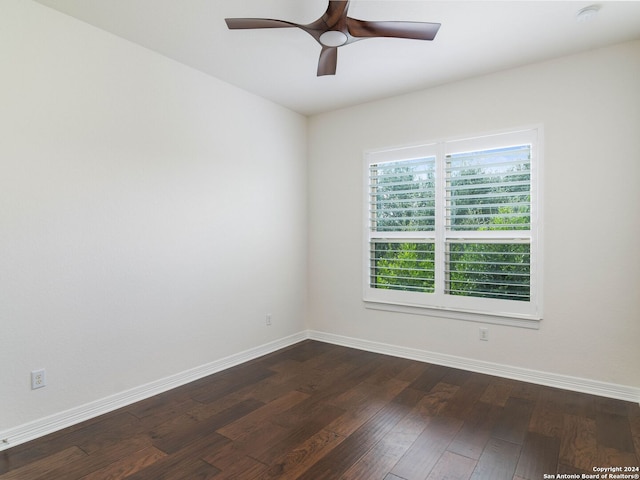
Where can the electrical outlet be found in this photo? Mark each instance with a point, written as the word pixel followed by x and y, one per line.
pixel 484 334
pixel 268 320
pixel 38 379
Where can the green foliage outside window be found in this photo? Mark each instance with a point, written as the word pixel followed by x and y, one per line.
pixel 403 266
pixel 499 270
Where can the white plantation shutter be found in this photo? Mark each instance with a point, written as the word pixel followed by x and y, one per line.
pixel 453 225
pixel 402 195
pixel 402 218
pixel 488 191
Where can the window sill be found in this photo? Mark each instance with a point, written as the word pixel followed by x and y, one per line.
pixel 491 318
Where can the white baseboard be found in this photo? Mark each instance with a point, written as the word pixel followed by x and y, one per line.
pixel 565 382
pixel 44 426
pixel 41 427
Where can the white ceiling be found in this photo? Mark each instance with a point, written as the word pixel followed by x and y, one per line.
pixel 476 37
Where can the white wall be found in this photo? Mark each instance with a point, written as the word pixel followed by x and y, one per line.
pixel 589 105
pixel 150 216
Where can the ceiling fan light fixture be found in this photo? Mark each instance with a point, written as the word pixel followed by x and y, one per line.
pixel 333 38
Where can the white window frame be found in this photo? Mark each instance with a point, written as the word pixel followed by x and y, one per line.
pixel 487 310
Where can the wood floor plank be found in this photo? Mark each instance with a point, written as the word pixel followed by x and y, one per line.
pixel 608 405
pixel 202 411
pixel 425 452
pixel 273 387
pixel 548 414
pixel 615 458
pixel 578 444
pixel 98 459
pixel 127 465
pixel 245 468
pixel 189 470
pixel 526 391
pixel 455 376
pixel 361 403
pixel 294 462
pixel 315 411
pixel 539 455
pixel 230 381
pixel 463 400
pixel 430 378
pixel 476 431
pixel 330 358
pixel 176 439
pixel 497 392
pixel 634 425
pixel 296 436
pixel 409 397
pixel 498 461
pixel 412 372
pixel 308 350
pixel 359 395
pixel 31 452
pixel 452 466
pixel 390 370
pixel 252 421
pixel 186 461
pixel 287 367
pixel 580 404
pixel 305 410
pixel 436 400
pixel 251 445
pixel 391 476
pixel 570 470
pixel 102 431
pixel 382 457
pixel 340 459
pixel 44 466
pixel 159 404
pixel 320 380
pixel 614 431
pixel 347 375
pixel 361 410
pixel 513 423
pixel 153 417
pixel 105 435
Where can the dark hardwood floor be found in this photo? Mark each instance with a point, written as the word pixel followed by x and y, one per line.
pixel 317 411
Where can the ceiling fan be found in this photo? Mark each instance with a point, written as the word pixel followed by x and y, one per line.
pixel 335 29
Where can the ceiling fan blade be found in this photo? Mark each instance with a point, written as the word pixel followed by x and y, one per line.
pixel 336 12
pixel 242 23
pixel 413 30
pixel 328 61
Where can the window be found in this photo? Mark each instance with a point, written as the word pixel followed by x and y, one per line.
pixel 453 225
